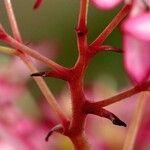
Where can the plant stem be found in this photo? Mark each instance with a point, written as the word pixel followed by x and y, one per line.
pixel 7 50
pixel 82 19
pixel 111 26
pixel 33 53
pixel 12 20
pixel 135 123
pixel 139 88
pixel 77 124
pixel 80 142
pixel 40 82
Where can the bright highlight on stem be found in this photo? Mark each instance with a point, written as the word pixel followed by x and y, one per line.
pixel 7 50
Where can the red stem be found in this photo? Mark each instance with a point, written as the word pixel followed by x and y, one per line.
pixel 139 88
pixel 76 132
pixel 12 20
pixel 82 19
pixel 92 109
pixel 112 25
pixel 33 53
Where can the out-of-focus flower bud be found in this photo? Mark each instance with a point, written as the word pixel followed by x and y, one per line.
pixel 106 4
pixel 136 43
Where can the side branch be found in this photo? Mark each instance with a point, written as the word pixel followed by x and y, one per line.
pixel 12 20
pixel 93 50
pixel 91 109
pixel 7 50
pixel 33 53
pixel 112 25
pixel 139 88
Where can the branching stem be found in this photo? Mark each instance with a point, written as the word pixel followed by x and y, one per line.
pixel 81 107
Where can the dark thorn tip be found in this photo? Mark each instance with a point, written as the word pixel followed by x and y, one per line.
pixel 48 135
pixel 43 74
pixel 119 122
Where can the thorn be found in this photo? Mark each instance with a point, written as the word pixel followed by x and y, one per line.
pixel 27 43
pixel 105 114
pixel 51 73
pixel 42 74
pixel 48 135
pixel 58 128
pixel 117 121
pixel 110 48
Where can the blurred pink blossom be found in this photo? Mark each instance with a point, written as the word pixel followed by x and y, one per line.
pixel 139 6
pixel 6 146
pixel 106 4
pixel 16 127
pixel 9 91
pixel 136 45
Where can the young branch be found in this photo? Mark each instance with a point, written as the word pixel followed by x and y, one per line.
pixel 139 88
pixel 112 25
pixel 103 48
pixel 103 113
pixel 7 50
pixel 33 53
pixel 26 50
pixel 12 20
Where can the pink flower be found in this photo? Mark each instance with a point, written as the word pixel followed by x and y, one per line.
pixel 5 146
pixel 106 4
pixel 6 86
pixel 139 6
pixel 136 45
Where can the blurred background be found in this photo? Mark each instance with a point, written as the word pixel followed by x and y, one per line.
pixel 25 116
